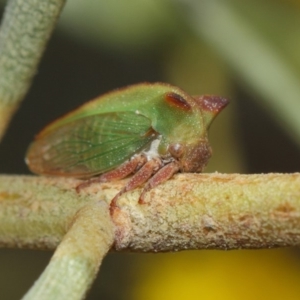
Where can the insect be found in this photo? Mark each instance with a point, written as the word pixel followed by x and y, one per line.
pixel 150 130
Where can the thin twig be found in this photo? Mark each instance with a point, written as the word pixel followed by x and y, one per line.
pixel 190 211
pixel 77 259
pixel 25 30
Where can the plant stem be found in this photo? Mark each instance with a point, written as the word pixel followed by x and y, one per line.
pixel 77 259
pixel 25 30
pixel 190 211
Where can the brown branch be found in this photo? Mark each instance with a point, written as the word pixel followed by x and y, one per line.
pixel 190 211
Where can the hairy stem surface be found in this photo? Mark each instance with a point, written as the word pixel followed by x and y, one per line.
pixel 190 211
pixel 25 30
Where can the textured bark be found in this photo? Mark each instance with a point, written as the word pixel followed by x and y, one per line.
pixel 25 30
pixel 190 211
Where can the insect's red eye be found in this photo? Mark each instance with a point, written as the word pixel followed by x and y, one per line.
pixel 177 100
pixel 176 150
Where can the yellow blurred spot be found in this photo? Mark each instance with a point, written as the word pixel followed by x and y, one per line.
pixel 244 274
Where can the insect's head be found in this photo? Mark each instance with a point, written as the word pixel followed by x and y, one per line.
pixel 191 157
pixel 194 156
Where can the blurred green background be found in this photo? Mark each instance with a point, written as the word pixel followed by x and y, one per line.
pixel 248 51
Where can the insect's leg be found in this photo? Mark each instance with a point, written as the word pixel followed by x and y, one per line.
pixel 125 169
pixel 150 167
pixel 120 172
pixel 161 176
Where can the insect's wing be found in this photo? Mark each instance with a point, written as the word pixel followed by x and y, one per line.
pixel 91 145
